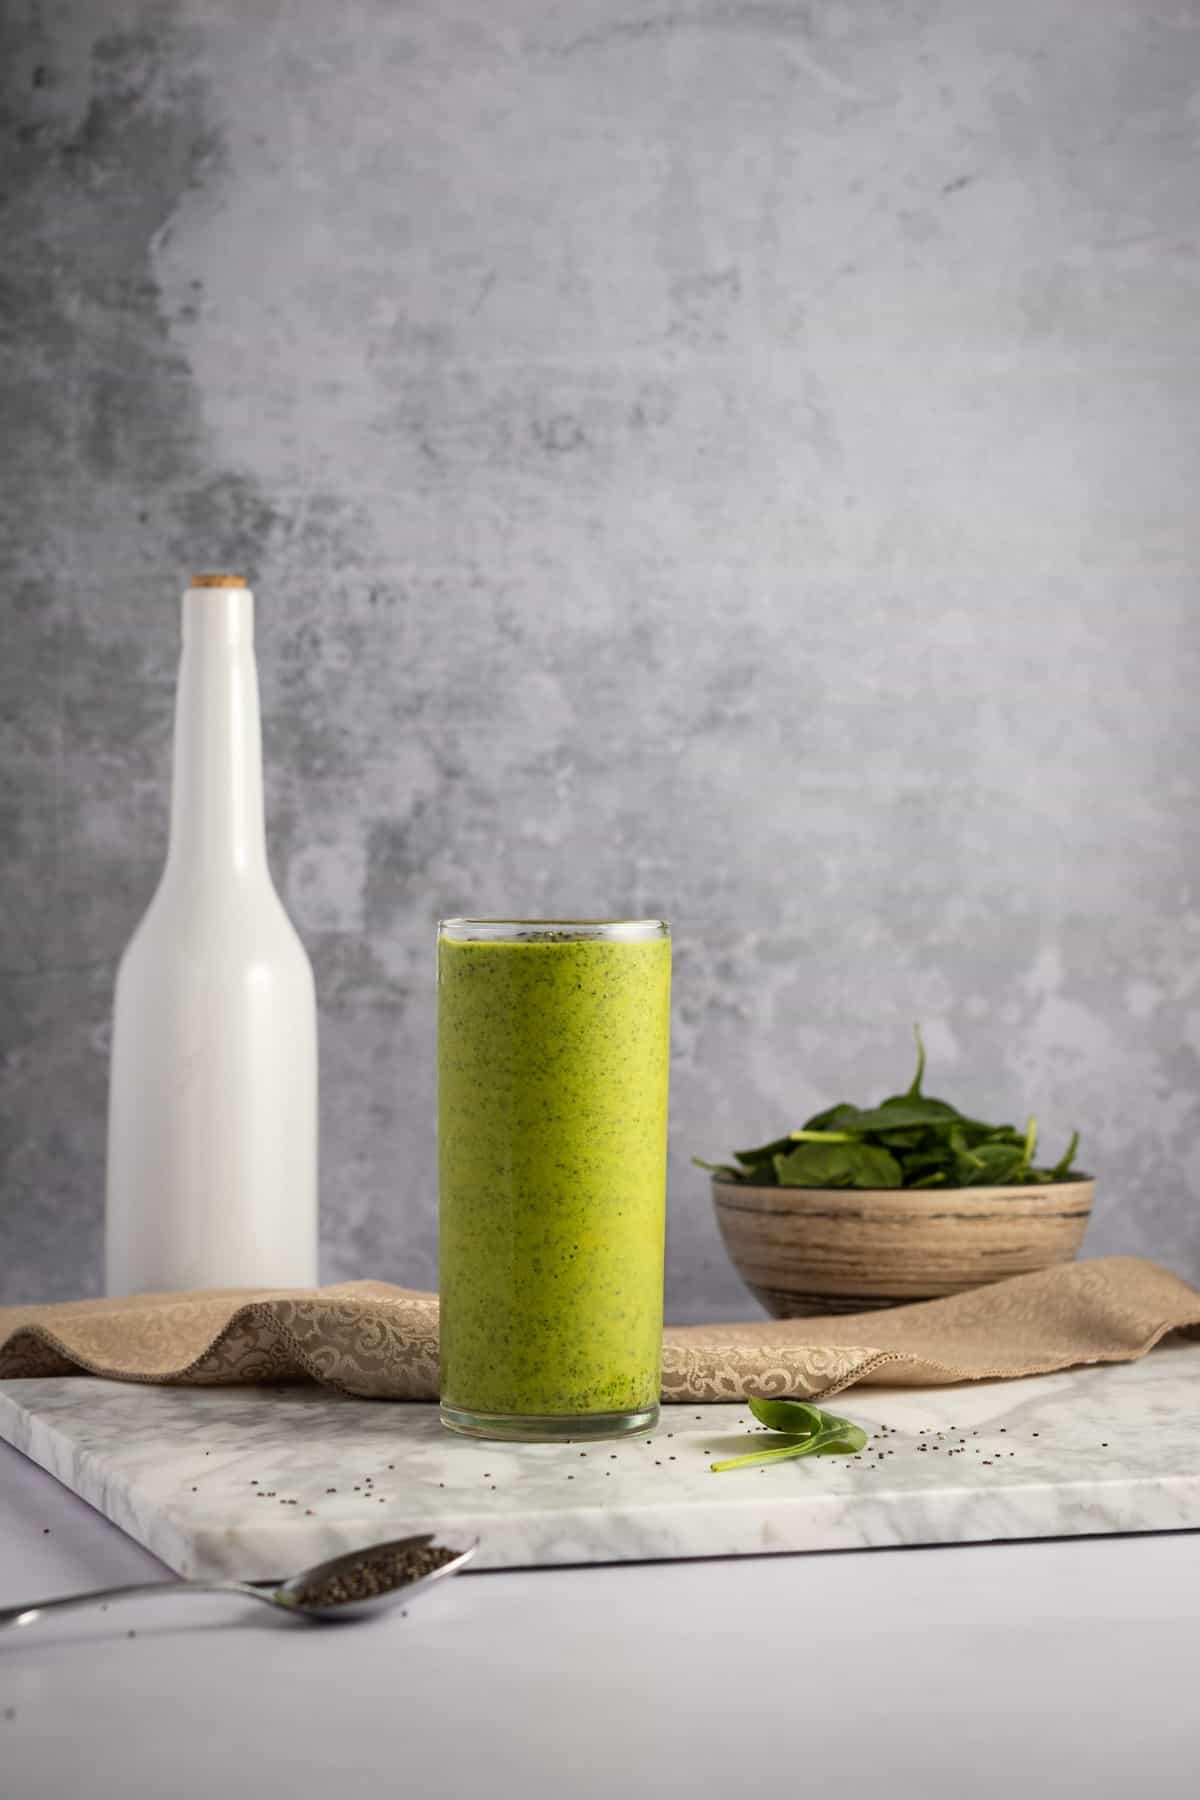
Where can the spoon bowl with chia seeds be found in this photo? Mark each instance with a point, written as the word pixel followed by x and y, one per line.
pixel 353 1586
pixel 366 1581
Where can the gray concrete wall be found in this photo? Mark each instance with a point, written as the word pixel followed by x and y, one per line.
pixel 733 458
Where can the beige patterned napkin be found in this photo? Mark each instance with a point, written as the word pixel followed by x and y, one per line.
pixel 378 1341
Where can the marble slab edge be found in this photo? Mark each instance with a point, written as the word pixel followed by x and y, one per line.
pixel 86 1473
pixel 730 1524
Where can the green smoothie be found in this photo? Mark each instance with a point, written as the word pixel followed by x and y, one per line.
pixel 552 1116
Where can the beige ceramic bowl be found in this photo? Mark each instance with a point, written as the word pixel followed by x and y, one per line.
pixel 803 1251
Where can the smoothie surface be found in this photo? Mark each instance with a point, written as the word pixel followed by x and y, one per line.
pixel 552 1082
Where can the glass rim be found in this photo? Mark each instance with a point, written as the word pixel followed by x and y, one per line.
pixel 552 931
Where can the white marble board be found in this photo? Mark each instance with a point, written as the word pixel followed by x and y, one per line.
pixel 260 1482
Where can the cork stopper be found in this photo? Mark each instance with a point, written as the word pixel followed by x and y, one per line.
pixel 218 581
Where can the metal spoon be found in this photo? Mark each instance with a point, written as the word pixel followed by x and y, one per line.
pixel 284 1595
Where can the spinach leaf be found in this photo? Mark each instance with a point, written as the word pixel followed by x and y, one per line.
pixel 908 1140
pixel 839 1165
pixel 913 1138
pixel 808 1430
pixel 896 1114
pixel 990 1165
pixel 799 1417
pixel 1059 1171
pixel 914 1086
pixel 763 1154
pixel 807 1136
pixel 1030 1144
pixel 720 1169
pixel 834 1118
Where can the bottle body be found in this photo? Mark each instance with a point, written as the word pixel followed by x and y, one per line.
pixel 212 1144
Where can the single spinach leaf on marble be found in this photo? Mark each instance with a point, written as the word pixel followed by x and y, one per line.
pixel 799 1417
pixel 808 1430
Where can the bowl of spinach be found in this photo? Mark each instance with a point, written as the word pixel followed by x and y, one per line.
pixel 910 1199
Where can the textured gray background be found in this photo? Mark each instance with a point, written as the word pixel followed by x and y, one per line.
pixel 733 458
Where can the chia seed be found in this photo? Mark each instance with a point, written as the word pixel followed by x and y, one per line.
pixel 377 1574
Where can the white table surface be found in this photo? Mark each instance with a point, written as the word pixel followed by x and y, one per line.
pixel 1055 1668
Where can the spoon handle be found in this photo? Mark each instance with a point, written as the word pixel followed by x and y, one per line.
pixel 38 1609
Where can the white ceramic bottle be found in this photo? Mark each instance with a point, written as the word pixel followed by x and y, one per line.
pixel 212 1130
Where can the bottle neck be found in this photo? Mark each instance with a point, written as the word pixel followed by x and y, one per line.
pixel 217 825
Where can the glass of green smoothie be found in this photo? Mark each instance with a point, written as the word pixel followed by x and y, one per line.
pixel 553 1043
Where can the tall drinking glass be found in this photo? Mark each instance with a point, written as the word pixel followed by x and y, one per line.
pixel 553 1043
